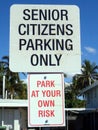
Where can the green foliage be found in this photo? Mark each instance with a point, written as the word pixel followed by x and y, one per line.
pixel 72 100
pixel 89 74
pixel 14 86
pixel 76 103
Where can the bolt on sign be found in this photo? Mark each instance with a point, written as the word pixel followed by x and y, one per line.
pixel 45 38
pixel 46 100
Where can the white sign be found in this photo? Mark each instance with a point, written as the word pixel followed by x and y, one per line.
pixel 46 100
pixel 45 38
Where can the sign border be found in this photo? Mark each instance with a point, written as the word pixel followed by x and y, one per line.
pixel 63 103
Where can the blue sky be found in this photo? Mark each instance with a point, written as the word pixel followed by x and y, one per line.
pixel 88 24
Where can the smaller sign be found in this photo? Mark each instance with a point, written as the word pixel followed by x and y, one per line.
pixel 46 100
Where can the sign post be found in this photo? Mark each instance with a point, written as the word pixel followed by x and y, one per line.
pixel 45 39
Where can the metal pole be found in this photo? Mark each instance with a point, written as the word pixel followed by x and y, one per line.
pixel 67 120
pixel 2 116
pixel 39 128
pixel 3 86
pixel 94 120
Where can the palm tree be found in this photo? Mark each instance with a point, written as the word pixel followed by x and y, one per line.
pixel 13 82
pixel 88 75
pixel 90 71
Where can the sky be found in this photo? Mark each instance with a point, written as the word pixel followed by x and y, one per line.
pixel 88 24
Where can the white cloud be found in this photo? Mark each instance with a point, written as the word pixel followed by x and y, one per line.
pixel 90 49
